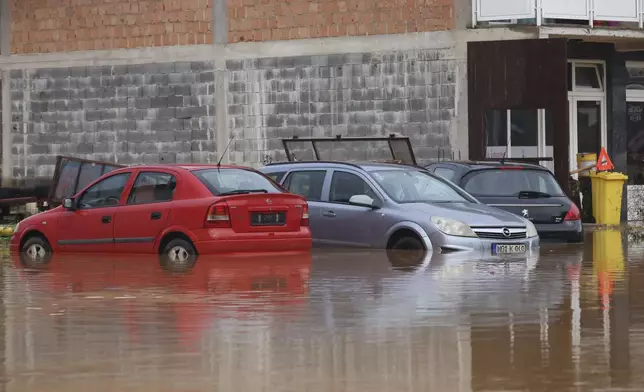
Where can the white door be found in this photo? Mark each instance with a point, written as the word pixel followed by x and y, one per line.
pixel 587 126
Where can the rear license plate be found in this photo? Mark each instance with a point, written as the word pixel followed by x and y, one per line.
pixel 508 248
pixel 268 218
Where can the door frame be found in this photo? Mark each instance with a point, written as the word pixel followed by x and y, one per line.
pixel 578 94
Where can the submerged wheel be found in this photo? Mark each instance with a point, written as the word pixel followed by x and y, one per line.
pixel 408 243
pixel 406 253
pixel 35 250
pixel 178 255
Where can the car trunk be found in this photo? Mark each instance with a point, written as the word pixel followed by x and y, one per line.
pixel 265 212
pixel 542 210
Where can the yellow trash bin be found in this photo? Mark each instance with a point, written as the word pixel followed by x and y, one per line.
pixel 607 191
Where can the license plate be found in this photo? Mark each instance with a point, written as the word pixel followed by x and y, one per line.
pixel 268 219
pixel 508 248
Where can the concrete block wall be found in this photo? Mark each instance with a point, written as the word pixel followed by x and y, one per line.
pixel 356 94
pixel 136 81
pixel 140 113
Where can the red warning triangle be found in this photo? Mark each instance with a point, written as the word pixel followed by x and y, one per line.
pixel 604 163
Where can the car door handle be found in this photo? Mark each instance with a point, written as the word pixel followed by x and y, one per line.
pixel 330 214
pixel 155 215
pixel 106 219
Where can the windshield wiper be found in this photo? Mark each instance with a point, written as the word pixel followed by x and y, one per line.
pixel 532 194
pixel 243 192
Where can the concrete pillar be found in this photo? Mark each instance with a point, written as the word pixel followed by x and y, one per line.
pixel 220 22
pixel 5 50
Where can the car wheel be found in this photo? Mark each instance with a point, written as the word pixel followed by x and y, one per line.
pixel 178 255
pixel 406 253
pixel 35 250
pixel 408 243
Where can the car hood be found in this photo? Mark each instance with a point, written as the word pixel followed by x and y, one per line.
pixel 470 213
pixel 36 218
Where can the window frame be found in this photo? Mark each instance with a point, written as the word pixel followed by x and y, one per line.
pixel 100 181
pixel 447 167
pixel 143 172
pixel 280 176
pixel 374 189
pixel 289 175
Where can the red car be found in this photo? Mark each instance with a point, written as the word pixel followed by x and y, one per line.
pixel 177 211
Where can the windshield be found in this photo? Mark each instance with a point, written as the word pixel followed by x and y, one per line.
pixel 229 181
pixel 511 183
pixel 415 186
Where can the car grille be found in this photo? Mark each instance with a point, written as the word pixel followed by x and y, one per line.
pixel 494 233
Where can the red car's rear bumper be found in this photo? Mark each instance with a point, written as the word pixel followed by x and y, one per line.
pixel 227 241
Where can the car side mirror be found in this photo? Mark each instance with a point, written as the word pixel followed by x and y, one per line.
pixel 363 200
pixel 68 204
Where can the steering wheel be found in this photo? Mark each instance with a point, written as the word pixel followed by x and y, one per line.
pixel 111 197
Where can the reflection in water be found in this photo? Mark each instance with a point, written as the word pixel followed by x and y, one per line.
pixel 565 319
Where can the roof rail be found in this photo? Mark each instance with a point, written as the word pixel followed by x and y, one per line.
pixel 327 162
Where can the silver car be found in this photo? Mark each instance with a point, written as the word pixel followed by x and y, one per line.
pixel 392 206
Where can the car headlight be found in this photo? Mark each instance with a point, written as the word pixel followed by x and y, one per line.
pixel 532 231
pixel 17 227
pixel 453 227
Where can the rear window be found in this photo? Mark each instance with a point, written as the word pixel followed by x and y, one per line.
pixel 226 180
pixel 510 182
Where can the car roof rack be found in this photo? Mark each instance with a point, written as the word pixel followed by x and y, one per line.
pixel 399 146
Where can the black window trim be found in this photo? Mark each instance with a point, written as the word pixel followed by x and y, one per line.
pixel 281 175
pixel 447 167
pixel 288 175
pixel 363 177
pixel 90 186
pixel 129 196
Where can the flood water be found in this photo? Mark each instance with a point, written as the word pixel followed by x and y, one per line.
pixel 568 319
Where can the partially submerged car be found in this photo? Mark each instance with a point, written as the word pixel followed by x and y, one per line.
pixel 398 206
pixel 528 190
pixel 178 211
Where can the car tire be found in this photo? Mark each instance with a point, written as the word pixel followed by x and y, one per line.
pixel 408 243
pixel 36 251
pixel 178 255
pixel 406 253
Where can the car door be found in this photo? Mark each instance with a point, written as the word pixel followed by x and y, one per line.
pixel 344 224
pixel 90 226
pixel 145 214
pixel 310 184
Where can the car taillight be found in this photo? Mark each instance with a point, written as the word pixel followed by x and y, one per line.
pixel 573 213
pixel 305 215
pixel 218 215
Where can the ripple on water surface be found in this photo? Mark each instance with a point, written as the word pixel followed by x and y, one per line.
pixel 567 318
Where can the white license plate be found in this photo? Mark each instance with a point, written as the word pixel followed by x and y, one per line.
pixel 508 248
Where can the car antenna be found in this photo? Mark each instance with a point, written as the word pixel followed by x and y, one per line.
pixel 504 153
pixel 225 151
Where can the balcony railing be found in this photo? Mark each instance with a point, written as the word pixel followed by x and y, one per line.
pixel 626 13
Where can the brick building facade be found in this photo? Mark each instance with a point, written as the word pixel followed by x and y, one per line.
pixel 172 80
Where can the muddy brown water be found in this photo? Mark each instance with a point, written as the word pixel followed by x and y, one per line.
pixel 570 318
